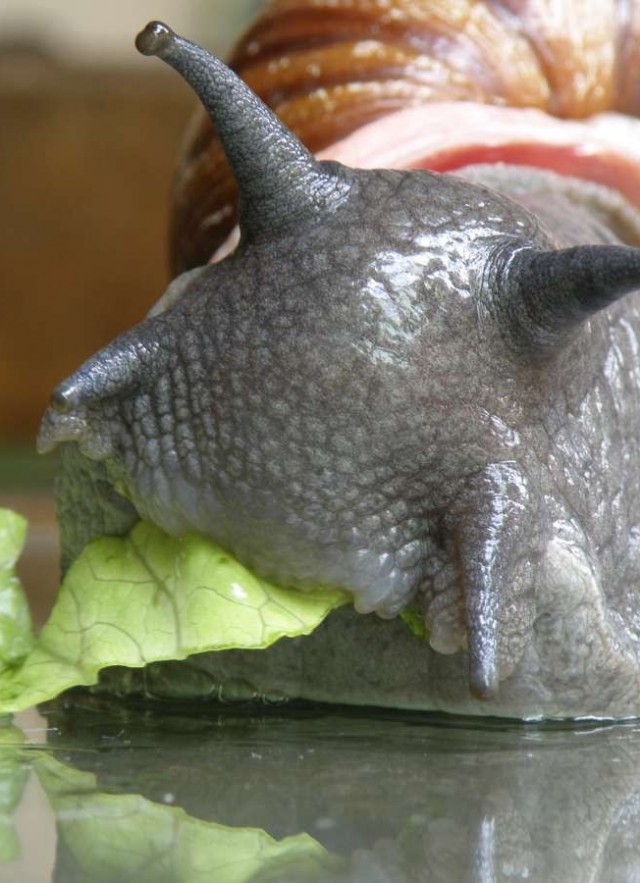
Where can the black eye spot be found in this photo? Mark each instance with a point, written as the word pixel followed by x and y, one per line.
pixel 63 399
pixel 154 38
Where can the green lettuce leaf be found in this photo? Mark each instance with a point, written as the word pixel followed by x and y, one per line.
pixel 16 638
pixel 415 620
pixel 149 597
pixel 127 837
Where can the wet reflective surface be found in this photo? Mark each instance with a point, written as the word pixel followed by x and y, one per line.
pixel 100 792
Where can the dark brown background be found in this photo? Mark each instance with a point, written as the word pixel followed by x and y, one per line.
pixel 86 163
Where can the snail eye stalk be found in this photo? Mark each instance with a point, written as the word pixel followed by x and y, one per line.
pixel 280 182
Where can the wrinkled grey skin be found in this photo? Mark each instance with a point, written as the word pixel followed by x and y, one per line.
pixel 399 384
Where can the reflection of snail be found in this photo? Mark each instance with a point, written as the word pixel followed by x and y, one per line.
pixel 388 800
pixel 405 385
pixel 330 66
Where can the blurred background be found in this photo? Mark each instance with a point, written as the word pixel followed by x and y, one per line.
pixel 89 133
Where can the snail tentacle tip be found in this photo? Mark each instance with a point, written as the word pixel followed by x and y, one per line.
pixel 154 38
pixel 483 681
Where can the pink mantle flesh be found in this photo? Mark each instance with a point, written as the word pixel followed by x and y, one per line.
pixel 446 136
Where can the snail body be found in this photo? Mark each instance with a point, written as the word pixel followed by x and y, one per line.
pixel 417 387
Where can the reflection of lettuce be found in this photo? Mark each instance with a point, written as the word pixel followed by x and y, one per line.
pixel 15 624
pixel 126 837
pixel 144 598
pixel 14 772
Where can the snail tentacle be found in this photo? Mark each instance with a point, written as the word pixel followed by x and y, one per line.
pixel 542 296
pixel 496 513
pixel 280 181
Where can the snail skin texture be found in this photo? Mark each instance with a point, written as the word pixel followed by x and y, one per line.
pixel 422 388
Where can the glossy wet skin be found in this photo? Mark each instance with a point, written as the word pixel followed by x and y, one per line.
pixel 393 386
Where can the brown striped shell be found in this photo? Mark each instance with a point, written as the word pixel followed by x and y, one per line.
pixel 330 66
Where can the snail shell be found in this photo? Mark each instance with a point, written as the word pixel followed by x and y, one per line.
pixel 329 67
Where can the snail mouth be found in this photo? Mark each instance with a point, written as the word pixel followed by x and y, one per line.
pixel 62 424
pixel 445 136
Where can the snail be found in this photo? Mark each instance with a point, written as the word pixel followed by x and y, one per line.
pixel 421 388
